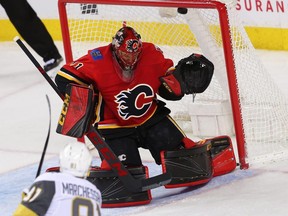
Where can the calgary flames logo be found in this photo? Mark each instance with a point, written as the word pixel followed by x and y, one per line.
pixel 134 102
pixel 132 45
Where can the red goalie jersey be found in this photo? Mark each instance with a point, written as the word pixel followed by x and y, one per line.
pixel 123 102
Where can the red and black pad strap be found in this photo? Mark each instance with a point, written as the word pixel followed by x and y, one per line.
pixel 77 111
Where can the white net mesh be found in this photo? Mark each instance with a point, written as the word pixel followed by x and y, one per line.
pixel 264 108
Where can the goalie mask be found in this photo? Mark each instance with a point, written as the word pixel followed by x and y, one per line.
pixel 75 159
pixel 127 46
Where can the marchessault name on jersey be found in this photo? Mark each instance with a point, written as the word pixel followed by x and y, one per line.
pixel 79 190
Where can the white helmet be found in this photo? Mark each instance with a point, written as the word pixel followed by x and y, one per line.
pixel 75 159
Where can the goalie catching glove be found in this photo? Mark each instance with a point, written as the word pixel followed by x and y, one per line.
pixel 191 75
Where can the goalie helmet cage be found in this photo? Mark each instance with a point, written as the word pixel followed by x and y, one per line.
pixel 242 100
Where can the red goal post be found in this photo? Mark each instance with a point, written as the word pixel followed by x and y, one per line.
pixel 209 27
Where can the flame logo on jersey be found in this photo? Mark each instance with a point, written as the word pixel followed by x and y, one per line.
pixel 134 102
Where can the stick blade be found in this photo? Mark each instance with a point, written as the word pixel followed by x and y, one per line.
pixel 156 181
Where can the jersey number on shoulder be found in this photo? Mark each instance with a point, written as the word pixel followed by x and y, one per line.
pixel 77 65
pixel 32 194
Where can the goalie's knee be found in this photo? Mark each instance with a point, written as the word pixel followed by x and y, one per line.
pixel 188 167
pixel 114 193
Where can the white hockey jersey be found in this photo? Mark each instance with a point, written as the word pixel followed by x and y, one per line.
pixel 62 194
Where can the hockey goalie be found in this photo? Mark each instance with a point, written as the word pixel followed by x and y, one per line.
pixel 115 88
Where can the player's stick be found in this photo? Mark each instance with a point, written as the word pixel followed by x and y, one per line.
pixel 131 184
pixel 47 140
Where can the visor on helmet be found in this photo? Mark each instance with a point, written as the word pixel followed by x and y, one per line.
pixel 128 60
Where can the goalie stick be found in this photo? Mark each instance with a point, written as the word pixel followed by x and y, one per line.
pixel 47 139
pixel 131 184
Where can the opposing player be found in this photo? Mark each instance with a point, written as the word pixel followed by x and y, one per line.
pixel 66 192
pixel 127 75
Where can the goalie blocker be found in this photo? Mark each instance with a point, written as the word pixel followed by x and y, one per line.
pixel 77 111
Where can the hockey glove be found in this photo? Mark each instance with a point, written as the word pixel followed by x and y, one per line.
pixel 191 75
pixel 77 111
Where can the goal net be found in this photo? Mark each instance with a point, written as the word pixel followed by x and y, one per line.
pixel 242 100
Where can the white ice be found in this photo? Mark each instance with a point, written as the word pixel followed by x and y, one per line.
pixel 24 117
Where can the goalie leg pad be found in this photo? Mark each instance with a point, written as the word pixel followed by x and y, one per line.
pixel 188 167
pixel 114 194
pixel 222 155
